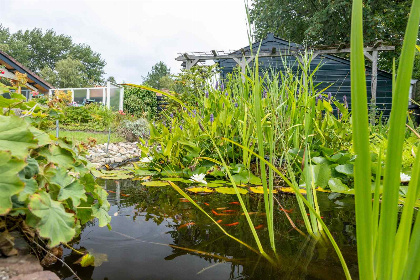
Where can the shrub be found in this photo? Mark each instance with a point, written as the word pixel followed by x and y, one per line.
pixel 133 130
pixel 91 117
pixel 140 102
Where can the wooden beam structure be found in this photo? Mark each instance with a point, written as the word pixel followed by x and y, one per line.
pixel 243 58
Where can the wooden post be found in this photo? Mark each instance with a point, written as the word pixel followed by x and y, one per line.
pixel 374 80
pixel 243 62
pixel 191 63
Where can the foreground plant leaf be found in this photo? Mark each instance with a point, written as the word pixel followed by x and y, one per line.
pixel 10 184
pixel 55 223
pixel 69 187
pixel 15 136
pixel 58 156
pixel 336 185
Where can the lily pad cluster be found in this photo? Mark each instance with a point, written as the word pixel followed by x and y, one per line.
pixel 47 182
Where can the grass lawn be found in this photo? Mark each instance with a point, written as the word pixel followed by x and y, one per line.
pixel 82 136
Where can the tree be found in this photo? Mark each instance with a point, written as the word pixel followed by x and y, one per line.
pixel 111 79
pixel 327 22
pixel 67 73
pixel 154 77
pixel 38 50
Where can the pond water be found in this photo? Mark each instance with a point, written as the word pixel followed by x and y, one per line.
pixel 157 235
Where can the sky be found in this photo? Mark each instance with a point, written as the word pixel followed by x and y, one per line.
pixel 133 35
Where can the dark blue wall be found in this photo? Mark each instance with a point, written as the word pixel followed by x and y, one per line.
pixel 334 71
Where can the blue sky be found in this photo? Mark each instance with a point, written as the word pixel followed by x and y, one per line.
pixel 133 35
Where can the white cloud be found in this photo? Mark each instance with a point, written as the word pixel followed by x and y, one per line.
pixel 133 35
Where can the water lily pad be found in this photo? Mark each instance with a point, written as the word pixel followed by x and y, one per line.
pixel 173 179
pixel 259 190
pixel 155 184
pixel 290 190
pixel 227 190
pixel 213 185
pixel 145 172
pixel 200 190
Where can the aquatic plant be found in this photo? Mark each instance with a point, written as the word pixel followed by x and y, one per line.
pixel 388 250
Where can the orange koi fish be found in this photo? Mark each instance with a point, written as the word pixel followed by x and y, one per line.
pixel 181 199
pixel 232 224
pixel 221 208
pixel 205 203
pixel 218 221
pixel 123 194
pixel 234 202
pixel 229 211
pixel 287 210
pixel 220 214
pixel 259 226
pixel 186 225
pixel 111 191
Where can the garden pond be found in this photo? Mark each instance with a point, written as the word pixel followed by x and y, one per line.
pixel 158 234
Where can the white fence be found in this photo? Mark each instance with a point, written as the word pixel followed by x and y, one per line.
pixel 112 96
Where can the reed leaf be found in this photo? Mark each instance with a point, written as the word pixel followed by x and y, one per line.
pixel 363 196
pixel 389 209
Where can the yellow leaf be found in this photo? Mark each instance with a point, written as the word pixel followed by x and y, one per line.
pixel 259 190
pixel 200 190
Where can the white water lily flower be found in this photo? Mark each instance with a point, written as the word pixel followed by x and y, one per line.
pixel 146 159
pixel 405 178
pixel 198 178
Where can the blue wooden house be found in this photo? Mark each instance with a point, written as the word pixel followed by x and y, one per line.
pixel 333 73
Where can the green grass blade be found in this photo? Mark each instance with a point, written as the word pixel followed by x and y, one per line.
pixel 404 229
pixel 389 209
pixel 363 196
pixel 412 271
pixel 375 212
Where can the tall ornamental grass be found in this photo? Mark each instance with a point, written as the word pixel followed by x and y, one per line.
pixel 390 249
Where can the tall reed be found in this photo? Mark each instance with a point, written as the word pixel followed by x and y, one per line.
pixel 397 247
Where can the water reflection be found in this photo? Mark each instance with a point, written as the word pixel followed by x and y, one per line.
pixel 158 235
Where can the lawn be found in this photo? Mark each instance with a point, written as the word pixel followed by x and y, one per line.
pixel 82 136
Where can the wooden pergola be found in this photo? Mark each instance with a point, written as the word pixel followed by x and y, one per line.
pixel 243 58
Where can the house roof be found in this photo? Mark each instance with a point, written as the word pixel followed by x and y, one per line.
pixel 13 65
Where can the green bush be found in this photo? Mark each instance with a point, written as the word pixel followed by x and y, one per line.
pixel 90 117
pixel 140 102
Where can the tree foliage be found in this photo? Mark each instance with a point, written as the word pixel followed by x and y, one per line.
pixel 158 76
pixel 42 52
pixel 327 22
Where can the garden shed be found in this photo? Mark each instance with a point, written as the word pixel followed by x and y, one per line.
pixel 333 73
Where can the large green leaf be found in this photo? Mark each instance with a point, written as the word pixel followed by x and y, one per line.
pixel 59 156
pixel 15 136
pixel 69 187
pixel 10 184
pixel 101 212
pixel 346 169
pixel 55 223
pixel 336 185
pixel 31 187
